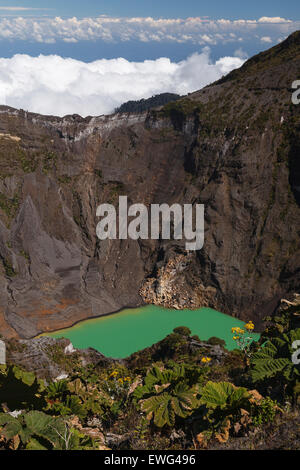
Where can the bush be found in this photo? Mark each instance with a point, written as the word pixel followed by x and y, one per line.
pixel 266 412
pixel 196 338
pixel 182 330
pixel 214 341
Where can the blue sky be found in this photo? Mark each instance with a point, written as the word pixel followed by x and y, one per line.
pixel 231 9
pixel 102 37
pixel 89 56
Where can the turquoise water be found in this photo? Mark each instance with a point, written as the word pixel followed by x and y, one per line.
pixel 131 330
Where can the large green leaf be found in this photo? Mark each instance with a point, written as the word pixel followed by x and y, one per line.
pixel 36 444
pixel 6 418
pixel 12 426
pixel 275 359
pixel 166 394
pixel 160 409
pixel 37 422
pixel 165 414
pixel 266 368
pixel 57 389
pixel 27 378
pixel 222 394
pixel 20 390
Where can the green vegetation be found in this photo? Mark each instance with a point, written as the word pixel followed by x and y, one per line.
pixel 145 104
pixel 115 190
pixel 182 330
pixel 25 255
pixel 36 430
pixel 49 161
pixel 274 361
pixel 56 354
pixel 9 206
pixel 169 393
pixel 282 53
pixel 20 389
pixel 98 173
pixel 29 162
pixel 178 111
pixel 64 179
pixel 17 159
pixel 198 391
pixel 8 267
pixel 217 342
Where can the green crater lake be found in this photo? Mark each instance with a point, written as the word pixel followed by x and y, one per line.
pixel 121 334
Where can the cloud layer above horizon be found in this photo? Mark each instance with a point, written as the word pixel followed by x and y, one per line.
pixel 58 86
pixel 195 30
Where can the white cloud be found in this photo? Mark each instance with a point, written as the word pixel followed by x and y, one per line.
pixel 266 39
pixel 71 40
pixel 58 86
pixel 191 30
pixel 15 8
pixel 10 9
pixel 275 19
pixel 241 54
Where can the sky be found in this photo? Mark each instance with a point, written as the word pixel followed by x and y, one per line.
pixel 74 56
pixel 231 9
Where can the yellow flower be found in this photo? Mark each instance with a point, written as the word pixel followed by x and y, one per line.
pixel 205 360
pixel 237 330
pixel 114 373
pixel 249 326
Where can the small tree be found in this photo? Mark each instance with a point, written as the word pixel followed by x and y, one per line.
pixel 182 330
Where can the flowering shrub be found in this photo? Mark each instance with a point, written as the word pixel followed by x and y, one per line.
pixel 118 383
pixel 244 337
pixel 206 360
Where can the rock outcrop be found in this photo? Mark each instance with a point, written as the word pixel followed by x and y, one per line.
pixel 50 358
pixel 2 353
pixel 233 146
pixel 176 285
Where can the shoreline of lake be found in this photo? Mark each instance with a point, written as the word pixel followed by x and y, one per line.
pixel 130 330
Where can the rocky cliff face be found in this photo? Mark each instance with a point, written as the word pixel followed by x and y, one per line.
pixel 233 146
pixel 52 359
